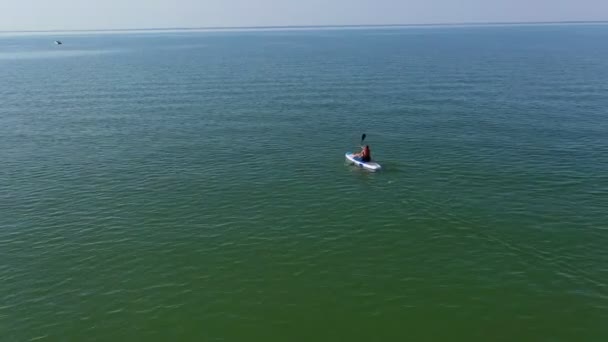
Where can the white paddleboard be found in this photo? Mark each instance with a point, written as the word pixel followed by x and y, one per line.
pixel 371 166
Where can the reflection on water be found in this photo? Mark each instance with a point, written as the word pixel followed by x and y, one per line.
pixel 54 53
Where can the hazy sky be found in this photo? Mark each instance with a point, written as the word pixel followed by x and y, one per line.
pixel 107 14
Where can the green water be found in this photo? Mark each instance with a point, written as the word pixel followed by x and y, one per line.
pixel 192 186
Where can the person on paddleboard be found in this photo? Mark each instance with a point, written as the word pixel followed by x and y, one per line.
pixel 365 155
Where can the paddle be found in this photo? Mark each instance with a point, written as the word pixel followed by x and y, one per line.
pixel 363 138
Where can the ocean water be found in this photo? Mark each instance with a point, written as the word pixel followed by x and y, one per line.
pixel 175 186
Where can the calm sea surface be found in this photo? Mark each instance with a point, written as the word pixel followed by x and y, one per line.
pixel 192 186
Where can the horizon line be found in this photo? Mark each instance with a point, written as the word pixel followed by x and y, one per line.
pixel 309 26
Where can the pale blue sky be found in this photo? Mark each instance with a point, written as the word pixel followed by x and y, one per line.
pixel 131 14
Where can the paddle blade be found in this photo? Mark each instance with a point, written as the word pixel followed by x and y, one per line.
pixel 363 137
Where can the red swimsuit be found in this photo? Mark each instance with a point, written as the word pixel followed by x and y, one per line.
pixel 366 155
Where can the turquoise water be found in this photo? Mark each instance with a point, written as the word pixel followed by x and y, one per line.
pixel 192 186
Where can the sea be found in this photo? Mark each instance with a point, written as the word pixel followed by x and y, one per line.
pixel 192 186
